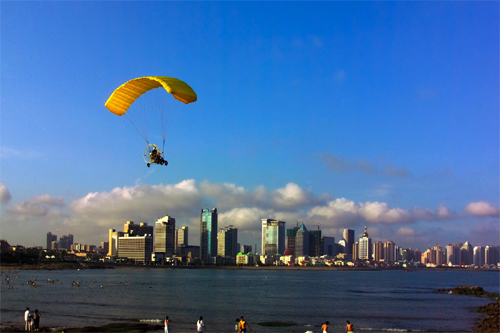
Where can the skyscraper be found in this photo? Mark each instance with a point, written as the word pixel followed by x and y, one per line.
pixel 181 238
pixel 227 242
pixel 378 254
pixel 453 254
pixel 208 235
pixel 327 246
pixel 389 252
pixel 273 237
pixel 113 240
pixel 302 241
pixel 365 247
pixel 348 236
pixel 165 236
pixel 50 238
pixel 467 254
pixel 140 229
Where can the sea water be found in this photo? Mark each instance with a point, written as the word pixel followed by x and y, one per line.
pixel 374 301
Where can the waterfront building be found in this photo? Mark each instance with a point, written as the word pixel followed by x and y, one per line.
pixel 140 229
pixel 181 237
pixel 273 237
pixel 365 246
pixel 491 255
pixel 327 246
pixel 245 249
pixel 453 254
pixel 378 251
pixel 105 247
pixel 65 242
pixel 291 238
pixel 389 252
pixel 341 246
pixel 348 236
pixel 302 241
pixel 208 235
pixel 164 238
pixel 113 239
pixel 417 256
pixel 478 259
pixel 227 240
pixel 355 251
pixel 136 248
pixel 467 254
pixel 50 238
pixel 314 243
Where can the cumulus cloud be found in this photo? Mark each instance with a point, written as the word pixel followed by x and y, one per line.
pixel 339 164
pixel 5 196
pixel 408 232
pixel 343 212
pixel 442 213
pixel 37 206
pixel 93 214
pixel 482 209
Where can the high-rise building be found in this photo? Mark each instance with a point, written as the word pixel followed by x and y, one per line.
pixel 113 239
pixel 165 236
pixel 453 254
pixel 140 229
pixel 378 253
pixel 136 248
pixel 491 255
pixel 227 242
pixel 291 238
pixel 273 237
pixel 355 251
pixel 181 237
pixel 50 238
pixel 302 241
pixel 467 254
pixel 245 249
pixel 365 247
pixel 389 252
pixel 65 242
pixel 348 236
pixel 342 245
pixel 328 246
pixel 314 243
pixel 208 235
pixel 478 256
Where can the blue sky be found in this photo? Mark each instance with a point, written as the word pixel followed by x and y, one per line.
pixel 346 114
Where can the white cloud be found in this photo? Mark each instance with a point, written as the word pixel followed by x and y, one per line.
pixel 5 196
pixel 482 208
pixel 408 232
pixel 92 215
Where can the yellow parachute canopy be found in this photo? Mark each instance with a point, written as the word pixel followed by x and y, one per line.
pixel 126 94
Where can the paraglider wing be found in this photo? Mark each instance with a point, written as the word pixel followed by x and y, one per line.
pixel 121 99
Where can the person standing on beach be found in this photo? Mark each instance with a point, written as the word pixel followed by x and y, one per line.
pixel 244 325
pixel 200 325
pixel 37 320
pixel 324 328
pixel 27 319
pixel 167 324
pixel 349 328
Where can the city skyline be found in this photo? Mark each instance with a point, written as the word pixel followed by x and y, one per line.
pixel 344 114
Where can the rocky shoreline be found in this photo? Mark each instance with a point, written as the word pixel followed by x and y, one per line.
pixel 490 324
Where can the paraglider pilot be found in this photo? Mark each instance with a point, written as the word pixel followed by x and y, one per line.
pixel 157 158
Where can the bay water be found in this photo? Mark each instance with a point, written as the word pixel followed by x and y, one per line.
pixel 374 301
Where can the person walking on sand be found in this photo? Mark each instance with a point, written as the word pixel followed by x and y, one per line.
pixel 27 319
pixel 167 324
pixel 324 328
pixel 200 325
pixel 244 325
pixel 349 328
